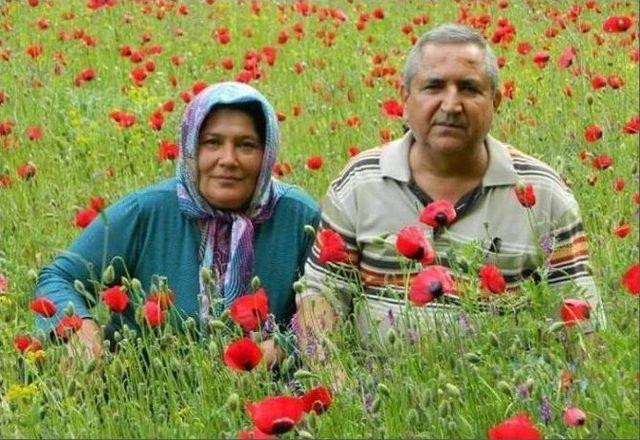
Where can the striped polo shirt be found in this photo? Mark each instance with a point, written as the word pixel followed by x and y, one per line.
pixel 374 197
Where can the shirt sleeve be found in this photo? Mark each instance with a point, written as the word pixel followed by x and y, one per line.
pixel 112 238
pixel 568 263
pixel 336 281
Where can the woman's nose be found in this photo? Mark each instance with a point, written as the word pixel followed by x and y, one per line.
pixel 228 154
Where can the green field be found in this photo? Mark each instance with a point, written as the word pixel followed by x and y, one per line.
pixel 341 60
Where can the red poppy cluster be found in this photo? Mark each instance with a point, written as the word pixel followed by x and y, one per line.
pixel 84 217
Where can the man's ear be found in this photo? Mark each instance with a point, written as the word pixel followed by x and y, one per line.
pixel 405 95
pixel 497 99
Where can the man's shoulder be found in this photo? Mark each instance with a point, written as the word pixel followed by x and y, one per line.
pixel 531 169
pixel 360 168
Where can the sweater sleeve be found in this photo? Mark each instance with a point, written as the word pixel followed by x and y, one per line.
pixel 112 238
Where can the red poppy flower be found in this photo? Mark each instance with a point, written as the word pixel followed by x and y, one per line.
pixel 353 151
pixel 138 75
pixel 97 203
pixel 168 106
pixel 602 162
pixel 574 416
pixel 314 163
pixel 508 88
pixel 430 284
pixel 156 121
pixel 5 181
pixel 598 82
pixel 526 194
pixel 631 279
pixel 515 427
pixel 27 171
pixel 541 58
pixel 276 415
pixel 164 298
pixel 438 213
pixel 123 119
pixel 34 133
pixel 250 311
pixel 43 306
pixel 198 87
pixel 168 150
pixel 254 434
pixel 150 66
pixel 574 311
pixel 270 54
pixel 524 48
pixel 84 217
pixel 186 96
pixel 392 108
pixel 152 314
pixel 242 355
pixel 26 343
pixel 116 299
pixel 491 279
pixel 317 400
pixel 632 126
pixel 412 244
pixel 332 247
pixel 567 57
pixel 68 325
pixel 177 60
pixel 615 82
pixel 378 13
pixel 619 184
pixel 4 285
pixel 616 24
pixel 623 230
pixel 6 127
pixel 3 98
pixel 35 50
pixel 592 133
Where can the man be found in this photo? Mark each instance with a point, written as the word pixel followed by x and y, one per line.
pixel 450 92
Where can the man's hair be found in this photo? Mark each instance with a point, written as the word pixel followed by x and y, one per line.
pixel 451 34
pixel 253 109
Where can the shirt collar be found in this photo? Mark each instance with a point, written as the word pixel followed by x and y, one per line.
pixel 394 162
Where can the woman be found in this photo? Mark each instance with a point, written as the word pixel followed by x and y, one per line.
pixel 223 212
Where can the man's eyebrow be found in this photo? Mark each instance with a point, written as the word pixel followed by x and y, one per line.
pixel 470 82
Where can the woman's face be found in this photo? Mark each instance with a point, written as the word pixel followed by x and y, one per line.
pixel 229 159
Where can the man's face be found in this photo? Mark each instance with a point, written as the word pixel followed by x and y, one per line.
pixel 450 105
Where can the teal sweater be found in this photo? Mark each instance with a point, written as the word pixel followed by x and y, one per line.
pixel 152 238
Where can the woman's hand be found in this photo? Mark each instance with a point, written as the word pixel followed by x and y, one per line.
pixel 272 354
pixel 84 346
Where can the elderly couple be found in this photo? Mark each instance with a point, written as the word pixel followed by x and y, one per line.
pixel 225 212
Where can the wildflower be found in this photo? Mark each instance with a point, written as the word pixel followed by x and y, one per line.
pixel 615 24
pixel 526 194
pixel 156 121
pixel 541 58
pixel 392 108
pixel 35 50
pixel 378 13
pixel 96 203
pixel 168 106
pixel 138 75
pixel 26 343
pixel 615 82
pixel 438 213
pixel 43 307
pixel 276 415
pixel 412 244
pixel 491 279
pixel 430 284
pixel 116 299
pixel 6 127
pixel 631 279
pixel 164 298
pixel 623 230
pixel 34 133
pixel 317 400
pixel 18 392
pixel 68 325
pixel 632 126
pixel 598 82
pixel 27 171
pixel 84 217
pixel 353 151
pixel 242 355
pixel 574 416
pixel 152 314
pixel 524 48
pixel 602 162
pixel 250 311
pixel 4 285
pixel 574 311
pixel 123 119
pixel 546 413
pixel 567 57
pixel 515 427
pixel 332 247
pixel 314 163
pixel 592 133
pixel 198 87
pixel 619 184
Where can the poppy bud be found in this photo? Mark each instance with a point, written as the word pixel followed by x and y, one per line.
pixel 298 286
pixel 472 357
pixel 136 285
pixel 108 275
pixel 216 325
pixel 79 286
pixel 304 434
pixel 453 390
pixel 32 275
pixel 91 365
pixel 444 409
pixel 304 374
pixel 310 230
pixel 392 336
pixel 589 98
pixel 205 274
pixel 124 281
pixel 555 326
pixel 504 387
pixel 69 310
pixel 255 283
pixel 384 390
pixel 117 336
pixel 233 402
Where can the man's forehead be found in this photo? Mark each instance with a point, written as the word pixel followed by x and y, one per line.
pixel 466 55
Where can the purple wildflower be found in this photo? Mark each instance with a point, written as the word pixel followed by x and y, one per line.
pixel 545 410
pixel 412 336
pixel 523 391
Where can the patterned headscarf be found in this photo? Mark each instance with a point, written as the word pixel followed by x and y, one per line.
pixel 236 278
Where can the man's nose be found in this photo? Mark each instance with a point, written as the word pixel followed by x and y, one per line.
pixel 451 101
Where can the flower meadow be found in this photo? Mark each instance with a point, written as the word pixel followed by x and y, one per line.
pixel 91 97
